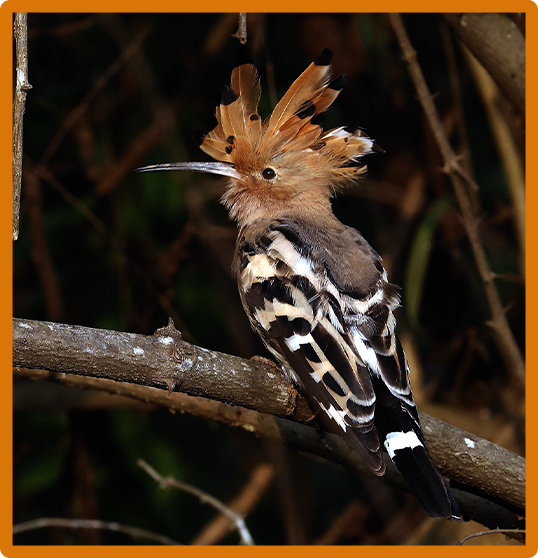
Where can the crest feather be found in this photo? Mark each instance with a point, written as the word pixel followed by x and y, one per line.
pixel 238 122
pixel 246 84
pixel 301 92
pixel 294 125
pixel 346 145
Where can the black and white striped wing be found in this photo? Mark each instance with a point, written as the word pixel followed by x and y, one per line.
pixel 341 345
pixel 301 323
pixel 370 324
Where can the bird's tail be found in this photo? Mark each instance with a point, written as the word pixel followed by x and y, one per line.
pixel 399 431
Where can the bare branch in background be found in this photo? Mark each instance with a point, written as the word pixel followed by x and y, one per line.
pixel 98 86
pixel 21 87
pixel 205 498
pixel 506 342
pixel 70 523
pixel 241 33
pixel 491 532
pixel 506 146
pixel 247 499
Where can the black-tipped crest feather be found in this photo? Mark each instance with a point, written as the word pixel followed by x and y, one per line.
pixel 293 127
pixel 227 97
pixel 324 58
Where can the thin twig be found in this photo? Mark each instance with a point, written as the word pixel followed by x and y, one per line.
pixel 91 524
pixel 506 148
pixel 241 32
pixel 246 500
pixel 204 497
pixel 98 86
pixel 455 90
pixel 491 532
pixel 39 248
pixel 506 342
pixel 21 87
pixel 82 208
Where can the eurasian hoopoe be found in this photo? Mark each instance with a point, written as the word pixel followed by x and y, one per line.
pixel 313 289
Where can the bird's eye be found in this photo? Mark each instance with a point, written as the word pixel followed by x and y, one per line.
pixel 268 173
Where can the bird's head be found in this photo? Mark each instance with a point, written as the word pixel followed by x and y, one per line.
pixel 288 162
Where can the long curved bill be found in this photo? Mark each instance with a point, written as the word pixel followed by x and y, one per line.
pixel 213 167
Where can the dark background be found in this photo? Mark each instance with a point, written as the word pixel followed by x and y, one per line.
pixel 104 247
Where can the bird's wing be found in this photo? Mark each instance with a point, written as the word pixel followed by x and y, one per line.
pixel 284 293
pixel 333 324
pixel 370 324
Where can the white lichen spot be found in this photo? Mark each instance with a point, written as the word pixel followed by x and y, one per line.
pixel 469 443
pixel 27 326
pixel 20 78
pixel 165 340
pixel 138 350
pixel 186 365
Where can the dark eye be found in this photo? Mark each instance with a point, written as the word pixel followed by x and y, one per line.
pixel 268 173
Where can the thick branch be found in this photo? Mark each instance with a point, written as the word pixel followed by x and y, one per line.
pixel 162 360
pixel 499 45
pixel 165 361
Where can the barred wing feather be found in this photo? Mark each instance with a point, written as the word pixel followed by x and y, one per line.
pixel 341 345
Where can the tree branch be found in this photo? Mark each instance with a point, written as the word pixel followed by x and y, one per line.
pixel 241 33
pixel 149 365
pixel 251 493
pixel 499 46
pixel 21 87
pixel 506 342
pixel 71 523
pixel 235 519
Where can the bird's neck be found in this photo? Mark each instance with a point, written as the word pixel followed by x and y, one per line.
pixel 247 208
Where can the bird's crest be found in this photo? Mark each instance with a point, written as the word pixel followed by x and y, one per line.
pixel 293 127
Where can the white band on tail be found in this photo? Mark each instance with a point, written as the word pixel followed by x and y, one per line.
pixel 401 440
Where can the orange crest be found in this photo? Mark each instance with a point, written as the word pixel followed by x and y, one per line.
pixel 240 137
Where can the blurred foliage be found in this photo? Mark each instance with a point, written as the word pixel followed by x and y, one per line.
pixel 118 250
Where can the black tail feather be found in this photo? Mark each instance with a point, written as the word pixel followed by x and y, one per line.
pixel 426 483
pixel 399 431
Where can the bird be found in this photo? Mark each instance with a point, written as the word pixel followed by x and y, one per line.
pixel 314 289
